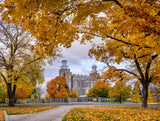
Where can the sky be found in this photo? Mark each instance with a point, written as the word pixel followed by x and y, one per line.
pixel 77 59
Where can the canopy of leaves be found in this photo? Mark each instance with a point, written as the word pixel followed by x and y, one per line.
pixel 47 96
pixel 74 94
pixel 3 91
pixel 133 22
pixel 56 87
pixel 24 89
pixel 120 91
pixel 99 89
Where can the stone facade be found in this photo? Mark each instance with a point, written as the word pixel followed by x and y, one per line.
pixel 80 83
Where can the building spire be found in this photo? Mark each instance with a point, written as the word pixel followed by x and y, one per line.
pixel 64 64
pixel 94 68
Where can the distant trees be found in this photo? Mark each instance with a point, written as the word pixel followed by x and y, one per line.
pixel 99 89
pixel 129 30
pixel 73 94
pixel 120 91
pixel 56 87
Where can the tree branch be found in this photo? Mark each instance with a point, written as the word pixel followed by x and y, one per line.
pixel 138 67
pixel 116 1
pixel 29 63
pixel 4 78
pixel 149 65
pixel 119 40
pixel 127 72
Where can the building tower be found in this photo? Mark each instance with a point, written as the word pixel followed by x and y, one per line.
pixel 94 69
pixel 94 74
pixel 65 71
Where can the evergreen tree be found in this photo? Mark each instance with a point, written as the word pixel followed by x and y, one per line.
pixel 150 98
pixel 136 94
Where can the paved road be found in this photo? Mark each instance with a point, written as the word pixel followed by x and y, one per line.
pixel 57 114
pixel 84 103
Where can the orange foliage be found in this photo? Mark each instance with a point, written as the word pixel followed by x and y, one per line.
pixel 21 94
pixel 56 87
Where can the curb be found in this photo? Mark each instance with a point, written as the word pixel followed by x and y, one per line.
pixel 6 116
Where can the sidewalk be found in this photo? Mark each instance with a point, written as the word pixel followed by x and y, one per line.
pixel 55 114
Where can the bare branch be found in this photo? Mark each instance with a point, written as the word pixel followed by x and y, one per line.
pixel 4 78
pixel 124 70
pixel 119 40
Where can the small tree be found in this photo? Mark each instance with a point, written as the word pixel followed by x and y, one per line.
pixel 56 87
pixel 74 94
pixel 47 96
pixel 136 94
pixel 99 89
pixel 120 91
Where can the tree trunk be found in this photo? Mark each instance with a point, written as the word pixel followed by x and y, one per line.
pixel 11 95
pixel 144 96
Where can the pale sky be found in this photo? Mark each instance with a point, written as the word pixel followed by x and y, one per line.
pixel 77 59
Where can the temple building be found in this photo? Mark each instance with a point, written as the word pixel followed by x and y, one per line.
pixel 80 83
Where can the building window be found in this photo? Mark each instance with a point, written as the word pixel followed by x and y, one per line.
pixel 75 83
pixel 79 83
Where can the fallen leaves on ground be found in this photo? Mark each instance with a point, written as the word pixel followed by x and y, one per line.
pixel 114 113
pixel 1 116
pixel 25 109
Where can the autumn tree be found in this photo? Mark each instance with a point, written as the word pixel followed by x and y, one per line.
pixel 3 92
pixel 129 30
pixel 47 96
pixel 17 62
pixel 99 89
pixel 74 94
pixel 56 87
pixel 136 97
pixel 24 89
pixel 120 91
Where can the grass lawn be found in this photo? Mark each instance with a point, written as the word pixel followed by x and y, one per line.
pixel 1 116
pixel 113 113
pixel 25 109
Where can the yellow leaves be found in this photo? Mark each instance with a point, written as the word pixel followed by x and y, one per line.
pixel 136 97
pixel 104 113
pixel 2 116
pixel 99 89
pixel 74 94
pixel 47 96
pixel 25 109
pixel 120 91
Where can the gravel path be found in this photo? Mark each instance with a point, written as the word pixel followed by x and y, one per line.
pixel 55 114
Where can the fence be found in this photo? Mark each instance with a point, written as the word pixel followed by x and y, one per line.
pixel 66 100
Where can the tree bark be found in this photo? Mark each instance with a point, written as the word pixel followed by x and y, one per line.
pixel 144 96
pixel 11 95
